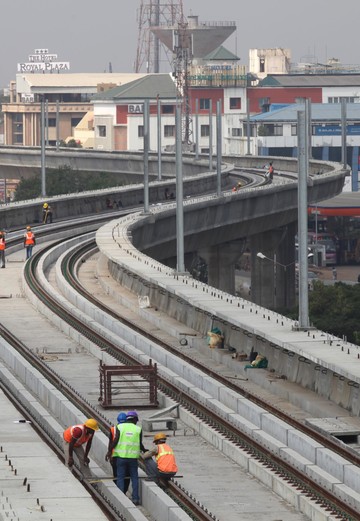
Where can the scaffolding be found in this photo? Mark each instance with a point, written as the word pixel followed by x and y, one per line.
pixel 128 386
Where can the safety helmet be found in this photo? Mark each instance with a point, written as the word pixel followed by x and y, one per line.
pixel 28 227
pixel 121 417
pixel 92 424
pixel 159 436
pixel 45 205
pixel 131 414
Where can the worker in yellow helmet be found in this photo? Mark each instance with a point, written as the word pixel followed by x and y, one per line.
pixel 74 438
pixel 29 241
pixel 164 466
pixel 47 213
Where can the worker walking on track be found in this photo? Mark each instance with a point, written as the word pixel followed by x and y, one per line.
pixel 126 448
pixel 29 241
pixel 47 213
pixel 164 466
pixel 113 460
pixel 74 438
pixel 2 249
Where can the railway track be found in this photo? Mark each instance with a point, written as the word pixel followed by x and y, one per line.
pixel 228 430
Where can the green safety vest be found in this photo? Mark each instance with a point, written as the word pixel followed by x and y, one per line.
pixel 128 445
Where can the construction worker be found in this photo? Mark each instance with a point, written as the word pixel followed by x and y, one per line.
pixel 164 465
pixel 113 460
pixel 2 249
pixel 46 213
pixel 126 448
pixel 74 439
pixel 29 241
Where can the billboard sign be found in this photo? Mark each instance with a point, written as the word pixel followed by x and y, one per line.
pixel 42 61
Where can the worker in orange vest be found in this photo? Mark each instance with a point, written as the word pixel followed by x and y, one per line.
pixel 2 249
pixel 29 241
pixel 164 466
pixel 74 438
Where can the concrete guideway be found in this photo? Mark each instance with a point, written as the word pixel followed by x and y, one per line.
pixel 277 436
pixel 236 489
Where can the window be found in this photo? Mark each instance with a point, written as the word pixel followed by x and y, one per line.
pixel 167 109
pixel 18 129
pixel 75 121
pixel 141 131
pixel 169 130
pixel 101 130
pixel 205 130
pixel 348 99
pixel 205 103
pixel 235 103
pixel 236 132
pixel 52 122
pixel 271 130
pixel 294 130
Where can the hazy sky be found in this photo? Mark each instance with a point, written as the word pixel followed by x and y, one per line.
pixel 90 34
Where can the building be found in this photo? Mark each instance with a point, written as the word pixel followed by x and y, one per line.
pixel 67 98
pixel 275 133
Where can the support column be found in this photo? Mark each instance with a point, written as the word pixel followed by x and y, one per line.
pixel 221 260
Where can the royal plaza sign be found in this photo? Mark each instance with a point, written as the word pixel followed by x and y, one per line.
pixel 42 61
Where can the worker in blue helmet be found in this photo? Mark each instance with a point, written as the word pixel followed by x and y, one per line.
pixel 121 418
pixel 127 447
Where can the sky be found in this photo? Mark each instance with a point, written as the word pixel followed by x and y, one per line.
pixel 91 34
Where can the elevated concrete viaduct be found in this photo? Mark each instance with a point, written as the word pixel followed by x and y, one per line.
pixel 217 229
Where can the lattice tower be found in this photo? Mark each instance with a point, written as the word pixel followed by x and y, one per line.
pixel 182 61
pixel 149 48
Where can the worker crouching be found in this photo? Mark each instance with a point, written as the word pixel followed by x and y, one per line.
pixel 164 466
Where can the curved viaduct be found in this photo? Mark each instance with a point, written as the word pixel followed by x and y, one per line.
pixel 216 229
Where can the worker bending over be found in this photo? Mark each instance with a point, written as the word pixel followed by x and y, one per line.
pixel 47 213
pixel 74 438
pixel 164 465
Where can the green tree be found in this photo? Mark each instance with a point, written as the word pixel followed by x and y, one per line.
pixel 65 180
pixel 335 309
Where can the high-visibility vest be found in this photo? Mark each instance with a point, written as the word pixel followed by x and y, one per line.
pixel 113 432
pixel 165 458
pixel 128 445
pixel 68 435
pixel 29 238
pixel 2 243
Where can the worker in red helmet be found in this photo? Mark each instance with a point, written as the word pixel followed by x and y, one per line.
pixel 164 465
pixel 126 448
pixel 2 249
pixel 74 438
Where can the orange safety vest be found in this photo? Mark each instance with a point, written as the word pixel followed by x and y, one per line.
pixel 68 435
pixel 2 243
pixel 113 432
pixel 165 459
pixel 29 238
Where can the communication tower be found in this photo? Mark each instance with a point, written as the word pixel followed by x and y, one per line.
pixel 155 14
pixel 182 50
